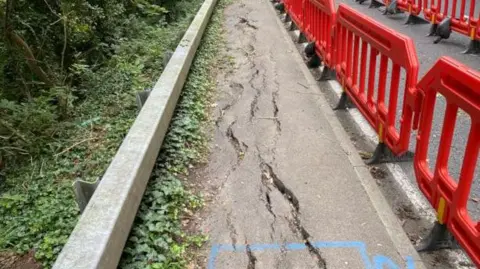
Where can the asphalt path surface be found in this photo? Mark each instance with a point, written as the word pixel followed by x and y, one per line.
pixel 428 53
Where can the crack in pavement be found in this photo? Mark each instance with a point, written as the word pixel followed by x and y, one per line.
pixel 249 54
pixel 268 201
pixel 296 224
pixel 231 228
pixel 254 104
pixel 237 87
pixel 283 255
pixel 239 146
pixel 245 21
pixel 252 260
pixel 275 111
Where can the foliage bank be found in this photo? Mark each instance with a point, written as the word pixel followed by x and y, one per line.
pixel 70 70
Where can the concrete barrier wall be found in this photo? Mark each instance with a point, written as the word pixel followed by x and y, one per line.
pixel 101 232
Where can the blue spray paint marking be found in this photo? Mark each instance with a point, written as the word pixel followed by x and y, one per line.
pixel 379 261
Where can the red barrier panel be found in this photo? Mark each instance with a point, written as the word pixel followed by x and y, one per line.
pixel 356 35
pixel 413 7
pixel 461 12
pixel 294 9
pixel 319 23
pixel 459 85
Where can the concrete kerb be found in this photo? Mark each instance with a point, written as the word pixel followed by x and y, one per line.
pixel 389 219
pixel 101 232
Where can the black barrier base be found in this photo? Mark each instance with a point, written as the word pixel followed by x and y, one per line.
pixel 280 7
pixel 473 47
pixel 314 62
pixel 302 38
pixel 310 49
pixel 383 154
pixel 433 30
pixel 392 9
pixel 361 1
pixel 438 238
pixel 412 19
pixel 374 4
pixel 344 102
pixel 327 74
pixel 292 26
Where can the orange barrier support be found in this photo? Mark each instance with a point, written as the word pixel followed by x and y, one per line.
pixel 356 35
pixel 294 9
pixel 319 23
pixel 459 85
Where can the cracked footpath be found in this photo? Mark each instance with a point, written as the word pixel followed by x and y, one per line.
pixel 287 189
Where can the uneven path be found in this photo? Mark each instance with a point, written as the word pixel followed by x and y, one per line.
pixel 289 190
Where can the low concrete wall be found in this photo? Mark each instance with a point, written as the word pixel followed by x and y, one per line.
pixel 100 235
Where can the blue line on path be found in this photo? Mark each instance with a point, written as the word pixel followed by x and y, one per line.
pixel 379 261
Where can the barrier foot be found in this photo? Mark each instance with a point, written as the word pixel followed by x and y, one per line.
pixel 302 38
pixel 328 74
pixel 310 49
pixel 314 62
pixel 412 19
pixel 433 30
pixel 443 30
pixel 383 154
pixel 473 47
pixel 292 26
pixel 438 238
pixel 374 4
pixel 391 9
pixel 83 192
pixel 361 1
pixel 280 7
pixel 343 103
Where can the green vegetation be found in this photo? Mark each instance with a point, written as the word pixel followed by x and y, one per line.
pixel 70 70
pixel 157 240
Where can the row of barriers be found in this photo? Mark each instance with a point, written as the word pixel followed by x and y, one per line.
pixel 365 55
pixel 444 16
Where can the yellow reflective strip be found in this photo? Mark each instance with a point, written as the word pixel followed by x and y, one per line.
pixel 472 34
pixel 409 8
pixel 380 133
pixel 433 18
pixel 441 210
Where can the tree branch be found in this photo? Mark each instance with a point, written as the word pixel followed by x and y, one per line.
pixel 19 43
pixel 12 130
pixel 65 40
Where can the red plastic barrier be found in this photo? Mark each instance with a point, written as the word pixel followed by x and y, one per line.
pixel 294 8
pixel 464 21
pixel 319 23
pixel 459 85
pixel 413 7
pixel 356 35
